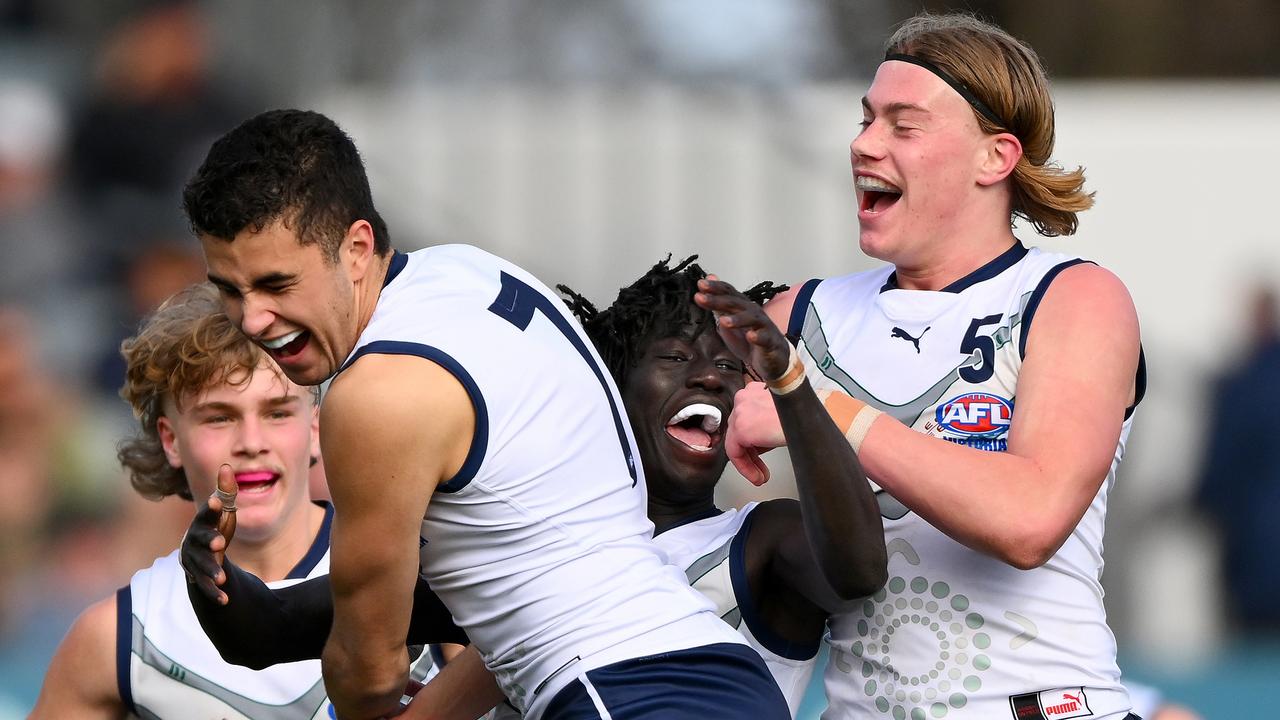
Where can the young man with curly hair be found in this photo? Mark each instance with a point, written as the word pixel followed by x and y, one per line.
pixel 207 401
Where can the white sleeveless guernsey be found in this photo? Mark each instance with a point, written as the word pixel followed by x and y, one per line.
pixel 167 668
pixel 957 634
pixel 540 546
pixel 712 552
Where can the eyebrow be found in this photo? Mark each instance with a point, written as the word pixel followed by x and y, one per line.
pixel 272 278
pixel 220 406
pixel 894 108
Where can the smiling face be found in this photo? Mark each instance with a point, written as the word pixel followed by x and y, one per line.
pixel 917 166
pixel 291 299
pixel 266 429
pixel 679 396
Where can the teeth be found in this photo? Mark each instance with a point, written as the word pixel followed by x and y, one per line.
pixel 283 340
pixel 710 416
pixel 866 182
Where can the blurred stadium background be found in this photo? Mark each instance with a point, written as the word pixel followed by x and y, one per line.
pixel 586 139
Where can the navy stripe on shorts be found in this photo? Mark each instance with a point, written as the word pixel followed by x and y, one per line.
pixel 724 680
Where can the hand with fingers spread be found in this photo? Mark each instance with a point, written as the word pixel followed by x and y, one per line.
pixel 206 541
pixel 750 334
pixel 745 328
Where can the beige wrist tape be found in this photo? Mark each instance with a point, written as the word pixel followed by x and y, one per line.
pixel 853 417
pixel 792 378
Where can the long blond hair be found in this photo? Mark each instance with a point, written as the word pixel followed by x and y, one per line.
pixel 1007 75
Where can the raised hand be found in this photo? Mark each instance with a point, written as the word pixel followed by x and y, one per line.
pixel 751 335
pixel 745 328
pixel 208 537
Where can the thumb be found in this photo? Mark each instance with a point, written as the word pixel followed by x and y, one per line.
pixel 226 493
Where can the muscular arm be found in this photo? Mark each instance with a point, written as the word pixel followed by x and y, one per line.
pixel 1076 380
pixel 81 680
pixel 392 428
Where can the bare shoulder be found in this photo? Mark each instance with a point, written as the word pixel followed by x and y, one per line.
pixel 773 522
pixel 395 416
pixel 95 630
pixel 779 307
pixel 81 680
pixel 385 389
pixel 1090 288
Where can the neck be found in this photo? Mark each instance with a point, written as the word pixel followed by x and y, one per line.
pixel 274 557
pixel 667 514
pixel 368 289
pixel 956 260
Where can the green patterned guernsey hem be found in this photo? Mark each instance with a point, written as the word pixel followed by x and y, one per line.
pixel 306 705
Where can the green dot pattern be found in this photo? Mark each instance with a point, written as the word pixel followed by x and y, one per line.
pixel 919 611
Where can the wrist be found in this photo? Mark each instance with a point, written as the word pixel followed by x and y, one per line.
pixel 792 378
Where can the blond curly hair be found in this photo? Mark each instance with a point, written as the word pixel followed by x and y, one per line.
pixel 185 347
pixel 1006 74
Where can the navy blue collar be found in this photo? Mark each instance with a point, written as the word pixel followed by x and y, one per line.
pixel 398 261
pixel 1002 262
pixel 318 548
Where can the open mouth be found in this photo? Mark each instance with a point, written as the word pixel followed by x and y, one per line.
pixel 697 427
pixel 286 346
pixel 256 481
pixel 877 195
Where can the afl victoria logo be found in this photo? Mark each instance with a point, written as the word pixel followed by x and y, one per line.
pixel 975 415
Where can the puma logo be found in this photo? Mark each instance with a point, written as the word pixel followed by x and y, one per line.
pixel 1069 696
pixel 900 333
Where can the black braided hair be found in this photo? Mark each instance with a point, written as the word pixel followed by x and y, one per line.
pixel 659 304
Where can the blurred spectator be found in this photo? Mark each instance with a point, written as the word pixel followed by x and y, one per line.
pixel 153 111
pixel 27 408
pixel 40 237
pixel 156 272
pixel 1240 480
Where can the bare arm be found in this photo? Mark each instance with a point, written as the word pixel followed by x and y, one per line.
pixel 463 690
pixel 836 542
pixel 392 428
pixel 81 680
pixel 1076 381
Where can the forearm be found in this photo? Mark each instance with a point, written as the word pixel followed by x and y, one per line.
pixel 463 690
pixel 363 684
pixel 999 503
pixel 259 626
pixel 839 510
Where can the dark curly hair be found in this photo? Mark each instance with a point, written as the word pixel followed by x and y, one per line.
pixel 659 304
pixel 295 166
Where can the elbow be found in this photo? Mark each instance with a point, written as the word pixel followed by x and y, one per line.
pixel 860 585
pixel 1029 550
pixel 860 577
pixel 1026 558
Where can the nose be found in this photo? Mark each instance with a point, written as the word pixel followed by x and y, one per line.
pixel 866 144
pixel 250 441
pixel 256 315
pixel 704 374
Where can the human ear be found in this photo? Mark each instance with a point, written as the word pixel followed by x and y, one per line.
pixel 168 441
pixel 1001 154
pixel 357 249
